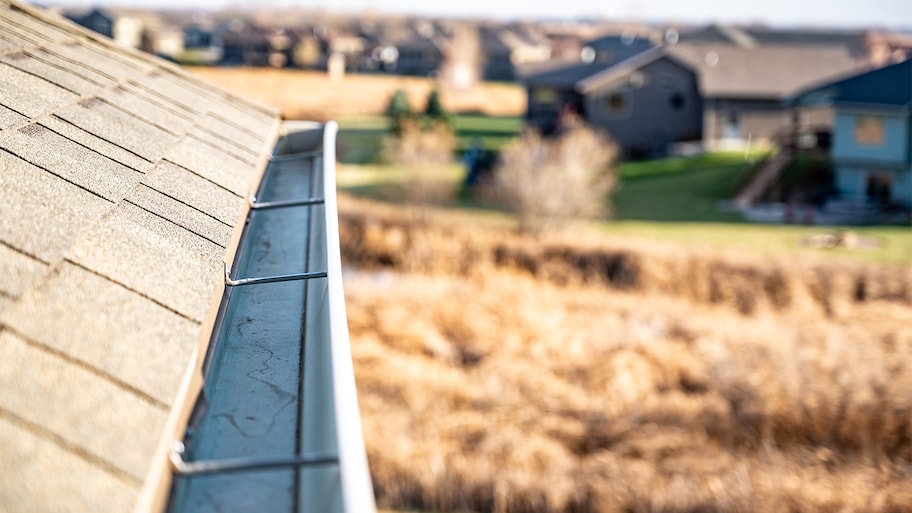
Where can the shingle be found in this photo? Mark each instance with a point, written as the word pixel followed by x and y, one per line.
pixel 155 88
pixel 151 255
pixel 104 60
pixel 229 138
pixel 52 55
pixel 19 272
pixel 245 114
pixel 116 126
pixel 40 213
pixel 150 111
pixel 67 80
pixel 5 302
pixel 212 164
pixel 48 478
pixel 9 118
pixel 191 189
pixel 7 43
pixel 89 140
pixel 211 140
pixel 183 88
pixel 63 157
pixel 29 95
pixel 82 407
pixel 47 32
pixel 181 214
pixel 128 336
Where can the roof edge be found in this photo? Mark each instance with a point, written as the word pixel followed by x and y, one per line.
pixel 153 497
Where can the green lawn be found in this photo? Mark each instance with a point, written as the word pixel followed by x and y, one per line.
pixel 361 138
pixel 671 200
pixel 681 188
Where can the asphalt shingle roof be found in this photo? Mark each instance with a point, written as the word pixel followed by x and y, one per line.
pixel 889 86
pixel 764 71
pixel 123 182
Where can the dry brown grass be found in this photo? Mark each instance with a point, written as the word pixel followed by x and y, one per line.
pixel 562 377
pixel 312 95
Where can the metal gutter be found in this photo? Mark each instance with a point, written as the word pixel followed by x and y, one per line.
pixel 276 426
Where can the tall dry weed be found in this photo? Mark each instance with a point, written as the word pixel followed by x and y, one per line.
pixel 529 380
pixel 547 181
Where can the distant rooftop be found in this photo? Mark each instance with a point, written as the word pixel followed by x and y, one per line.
pixel 123 181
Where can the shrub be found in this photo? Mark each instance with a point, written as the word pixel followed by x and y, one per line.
pixel 545 181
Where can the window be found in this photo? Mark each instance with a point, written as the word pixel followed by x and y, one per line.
pixel 869 130
pixel 544 96
pixel 677 101
pixel 617 104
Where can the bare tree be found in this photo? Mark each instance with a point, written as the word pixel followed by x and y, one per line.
pixel 545 181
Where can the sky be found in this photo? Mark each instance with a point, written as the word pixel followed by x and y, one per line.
pixel 833 13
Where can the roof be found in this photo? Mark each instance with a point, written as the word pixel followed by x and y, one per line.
pixel 762 72
pixel 564 75
pixel 723 70
pixel 887 87
pixel 123 182
pixel 627 66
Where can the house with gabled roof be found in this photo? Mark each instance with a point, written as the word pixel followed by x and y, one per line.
pixel 646 103
pixel 741 89
pixel 125 223
pixel 745 88
pixel 872 136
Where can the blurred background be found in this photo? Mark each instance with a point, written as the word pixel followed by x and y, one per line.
pixel 617 256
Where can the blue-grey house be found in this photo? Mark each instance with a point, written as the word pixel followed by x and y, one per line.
pixel 647 102
pixel 872 134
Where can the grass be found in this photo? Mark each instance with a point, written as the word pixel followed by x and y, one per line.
pixel 313 95
pixel 681 189
pixel 361 137
pixel 637 366
pixel 592 375
pixel 675 201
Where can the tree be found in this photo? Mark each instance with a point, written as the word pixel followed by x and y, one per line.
pixel 399 110
pixel 434 110
pixel 546 181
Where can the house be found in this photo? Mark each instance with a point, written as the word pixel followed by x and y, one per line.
pixel 127 186
pixel 745 87
pixel 742 89
pixel 505 50
pixel 615 47
pixel 872 135
pixel 646 103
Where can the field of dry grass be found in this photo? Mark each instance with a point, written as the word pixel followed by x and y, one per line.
pixel 497 374
pixel 314 96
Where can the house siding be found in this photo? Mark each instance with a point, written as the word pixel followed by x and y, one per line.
pixel 892 152
pixel 650 121
pixel 756 119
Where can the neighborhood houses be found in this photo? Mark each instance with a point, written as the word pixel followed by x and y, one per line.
pixel 657 90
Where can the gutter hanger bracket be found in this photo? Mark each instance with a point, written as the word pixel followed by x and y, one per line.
pixel 271 279
pixel 182 467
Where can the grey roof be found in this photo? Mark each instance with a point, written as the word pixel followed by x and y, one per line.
pixel 123 181
pixel 762 72
pixel 627 66
pixel 724 70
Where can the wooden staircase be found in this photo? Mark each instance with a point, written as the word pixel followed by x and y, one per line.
pixel 762 179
